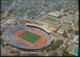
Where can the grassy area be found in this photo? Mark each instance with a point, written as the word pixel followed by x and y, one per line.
pixel 28 36
pixel 50 19
pixel 54 46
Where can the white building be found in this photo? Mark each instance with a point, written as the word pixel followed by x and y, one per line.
pixel 55 14
pixel 60 31
pixel 69 20
pixel 76 39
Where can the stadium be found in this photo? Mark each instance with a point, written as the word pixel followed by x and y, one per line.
pixel 27 37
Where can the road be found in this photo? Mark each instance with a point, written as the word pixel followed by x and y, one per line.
pixel 57 35
pixel 67 41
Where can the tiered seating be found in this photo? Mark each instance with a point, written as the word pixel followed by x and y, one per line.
pixel 9 37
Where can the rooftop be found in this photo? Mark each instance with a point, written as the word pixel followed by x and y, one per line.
pixel 69 19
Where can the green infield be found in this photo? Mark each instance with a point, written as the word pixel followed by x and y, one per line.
pixel 28 36
pixel 50 19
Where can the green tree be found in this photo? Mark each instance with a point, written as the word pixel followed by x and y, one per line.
pixel 2 43
pixel 0 33
pixel 66 53
pixel 66 46
pixel 65 34
pixel 76 32
pixel 15 51
pixel 16 23
pixel 65 15
pixel 47 49
pixel 54 46
pixel 12 51
pixel 70 30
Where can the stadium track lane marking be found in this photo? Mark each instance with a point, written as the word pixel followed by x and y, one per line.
pixel 37 42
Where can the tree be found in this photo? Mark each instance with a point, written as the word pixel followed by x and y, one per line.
pixel 47 49
pixel 12 51
pixel 65 53
pixel 65 34
pixel 2 43
pixel 54 46
pixel 70 30
pixel 15 51
pixel 66 46
pixel 76 32
pixel 65 15
pixel 57 44
pixel 16 23
pixel 0 33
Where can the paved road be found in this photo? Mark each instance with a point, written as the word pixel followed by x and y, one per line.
pixel 61 48
pixel 58 35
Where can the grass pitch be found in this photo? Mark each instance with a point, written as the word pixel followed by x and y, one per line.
pixel 28 36
pixel 50 19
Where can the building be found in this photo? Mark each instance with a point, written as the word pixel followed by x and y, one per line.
pixel 60 31
pixel 76 39
pixel 69 20
pixel 52 28
pixel 55 14
pixel 77 13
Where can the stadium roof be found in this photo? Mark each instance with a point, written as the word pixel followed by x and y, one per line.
pixel 48 31
pixel 53 14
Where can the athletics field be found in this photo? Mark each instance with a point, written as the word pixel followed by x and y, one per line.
pixel 29 37
pixel 50 19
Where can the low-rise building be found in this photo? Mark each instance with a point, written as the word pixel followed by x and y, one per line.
pixel 60 31
pixel 69 20
pixel 52 28
pixel 76 39
pixel 55 14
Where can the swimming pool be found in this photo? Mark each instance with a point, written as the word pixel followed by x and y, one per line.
pixel 75 51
